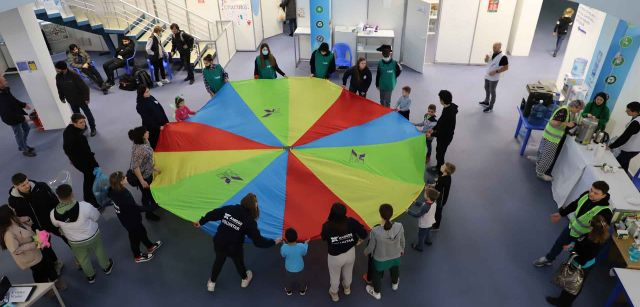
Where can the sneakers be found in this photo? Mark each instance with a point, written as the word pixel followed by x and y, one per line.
pixel 303 291
pixel 542 261
pixel 533 159
pixel 347 291
pixel 28 153
pixel 428 243
pixel 554 301
pixel 414 246
pixel 365 277
pixel 334 296
pixel 155 246
pixel 487 110
pixel 289 292
pixel 245 282
pixel 483 103
pixel 394 287
pixel 93 133
pixel 108 270
pixel 143 258
pixel 211 286
pixel 191 81
pixel 545 177
pixel 91 279
pixel 373 292
pixel 58 266
pixel 165 81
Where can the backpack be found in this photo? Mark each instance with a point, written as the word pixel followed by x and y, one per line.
pixel 142 78
pixel 127 83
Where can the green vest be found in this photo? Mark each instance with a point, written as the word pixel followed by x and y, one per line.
pixel 214 77
pixel 387 73
pixel 266 72
pixel 553 134
pixel 322 64
pixel 582 225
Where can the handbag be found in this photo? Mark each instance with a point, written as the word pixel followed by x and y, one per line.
pixel 569 276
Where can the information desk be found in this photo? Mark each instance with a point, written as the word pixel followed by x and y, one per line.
pixel 628 281
pixel 302 36
pixel 40 290
pixel 575 171
pixel 522 121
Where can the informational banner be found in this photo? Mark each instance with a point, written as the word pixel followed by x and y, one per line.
pixel 320 22
pixel 237 11
pixel 493 6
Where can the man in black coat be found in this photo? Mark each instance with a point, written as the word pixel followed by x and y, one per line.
pixel 183 43
pixel 445 127
pixel 77 149
pixel 123 52
pixel 73 90
pixel 289 7
pixel 12 113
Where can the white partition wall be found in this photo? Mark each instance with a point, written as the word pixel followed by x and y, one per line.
pixel 388 15
pixel 271 26
pixel 491 27
pixel 247 20
pixel 206 9
pixel 525 20
pixel 349 13
pixel 455 36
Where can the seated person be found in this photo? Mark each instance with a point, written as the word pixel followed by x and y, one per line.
pixel 81 60
pixel 123 52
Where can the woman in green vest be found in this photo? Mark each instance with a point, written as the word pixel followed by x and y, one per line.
pixel 323 62
pixel 386 75
pixel 598 109
pixel 214 75
pixel 266 66
pixel 552 135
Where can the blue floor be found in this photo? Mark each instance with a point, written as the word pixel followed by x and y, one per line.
pixel 495 224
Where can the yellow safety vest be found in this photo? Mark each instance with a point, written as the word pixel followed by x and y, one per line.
pixel 581 226
pixel 553 134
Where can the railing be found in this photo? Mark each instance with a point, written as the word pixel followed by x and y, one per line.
pixel 224 44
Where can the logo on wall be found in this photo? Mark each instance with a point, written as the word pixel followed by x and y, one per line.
pixel 320 38
pixel 319 24
pixel 617 60
pixel 611 79
pixel 626 41
pixel 319 9
pixel 229 176
pixel 357 157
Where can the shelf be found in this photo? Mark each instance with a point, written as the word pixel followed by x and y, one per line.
pixel 367 49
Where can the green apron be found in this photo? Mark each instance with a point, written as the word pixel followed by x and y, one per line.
pixel 214 77
pixel 387 73
pixel 322 64
pixel 266 72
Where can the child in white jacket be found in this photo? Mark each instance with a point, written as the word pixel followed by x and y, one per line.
pixel 426 214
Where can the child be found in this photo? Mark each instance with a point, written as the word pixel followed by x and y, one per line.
pixel 443 185
pixel 404 103
pixel 182 111
pixel 214 75
pixel 425 213
pixel 427 125
pixel 292 252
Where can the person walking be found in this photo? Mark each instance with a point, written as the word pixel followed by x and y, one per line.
pixel 152 114
pixel 289 7
pixel 629 141
pixel 80 59
pixel 445 128
pixel 323 62
pixel 183 43
pixel 236 223
pixel 386 75
pixel 123 53
pixel 266 65
pixel 598 109
pixel 77 149
pixel 156 54
pixel 360 78
pixel 143 167
pixel 342 234
pixel 73 90
pixel 497 63
pixel 12 113
pixel 562 28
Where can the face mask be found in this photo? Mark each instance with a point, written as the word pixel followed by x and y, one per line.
pixel 265 52
pixel 386 58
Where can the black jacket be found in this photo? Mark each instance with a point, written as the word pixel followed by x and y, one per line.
pixel 76 147
pixel 71 88
pixel 606 214
pixel 586 250
pixel 126 51
pixel 339 242
pixel 180 41
pixel 37 205
pixel 446 125
pixel 289 7
pixel 443 185
pixel 562 25
pixel 235 223
pixel 360 85
pixel 151 112
pixel 632 129
pixel 126 208
pixel 11 109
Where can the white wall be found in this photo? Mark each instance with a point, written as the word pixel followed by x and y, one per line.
pixel 388 15
pixel 208 9
pixel 491 28
pixel 628 10
pixel 304 21
pixel 348 13
pixel 630 92
pixel 10 4
pixel 455 36
pixel 271 26
pixel 523 28
pixel 85 40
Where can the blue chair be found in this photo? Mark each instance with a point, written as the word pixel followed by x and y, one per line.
pixel 343 55
pixel 636 179
pixel 130 62
pixel 167 69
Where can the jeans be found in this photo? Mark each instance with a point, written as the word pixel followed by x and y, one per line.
pixel 293 24
pixel 441 150
pixel 185 57
pixel 21 132
pixel 83 251
pixel 137 235
pixel 624 158
pixel 376 279
pixel 87 113
pixel 429 141
pixel 93 74
pixel 87 187
pixel 385 99
pixel 423 237
pixel 148 203
pixel 238 260
pixel 158 69
pixel 110 66
pixel 559 40
pixel 563 239
pixel 490 92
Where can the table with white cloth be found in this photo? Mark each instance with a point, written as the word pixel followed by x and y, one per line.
pixel 575 171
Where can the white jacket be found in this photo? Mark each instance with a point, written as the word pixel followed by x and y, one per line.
pixel 84 228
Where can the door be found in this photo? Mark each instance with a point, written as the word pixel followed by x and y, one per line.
pixel 270 23
pixel 414 44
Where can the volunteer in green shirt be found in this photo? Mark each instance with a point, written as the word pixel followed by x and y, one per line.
pixel 386 75
pixel 323 62
pixel 214 75
pixel 598 109
pixel 265 65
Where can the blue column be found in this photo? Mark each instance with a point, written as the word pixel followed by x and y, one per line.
pixel 320 22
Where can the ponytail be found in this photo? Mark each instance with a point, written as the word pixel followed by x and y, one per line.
pixel 386 212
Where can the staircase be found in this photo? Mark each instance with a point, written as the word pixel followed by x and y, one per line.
pixel 105 17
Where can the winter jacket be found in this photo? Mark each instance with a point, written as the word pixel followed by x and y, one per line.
pixel 154 47
pixel 151 112
pixel 183 113
pixel 71 88
pixel 182 42
pixel 127 210
pixel 443 185
pixel 562 25
pixel 360 85
pixel 339 242
pixel 77 149
pixel 78 221
pixel 289 7
pixel 36 205
pixel 601 112
pixel 588 205
pixel 79 59
pixel 19 241
pixel 386 244
pixel 427 124
pixel 236 222
pixel 426 214
pixel 586 250
pixel 126 52
pixel 446 125
pixel 11 109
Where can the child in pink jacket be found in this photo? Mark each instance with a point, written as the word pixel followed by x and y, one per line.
pixel 182 111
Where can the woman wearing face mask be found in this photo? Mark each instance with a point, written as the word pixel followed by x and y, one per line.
pixel 598 109
pixel 360 78
pixel 323 63
pixel 386 75
pixel 266 66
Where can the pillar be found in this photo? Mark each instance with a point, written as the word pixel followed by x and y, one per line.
pixel 523 27
pixel 21 33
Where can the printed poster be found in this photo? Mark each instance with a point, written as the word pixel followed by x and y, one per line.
pixel 237 11
pixel 493 6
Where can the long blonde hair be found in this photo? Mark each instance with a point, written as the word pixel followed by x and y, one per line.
pixel 568 12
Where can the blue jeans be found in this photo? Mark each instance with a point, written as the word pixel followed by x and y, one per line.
pixel 563 239
pixel 21 132
pixel 429 141
pixel 423 237
pixel 558 43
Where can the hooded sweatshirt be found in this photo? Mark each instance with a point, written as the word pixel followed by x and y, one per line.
pixel 446 125
pixel 77 220
pixel 386 244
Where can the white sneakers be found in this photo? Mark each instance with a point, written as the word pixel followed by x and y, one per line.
pixel 373 292
pixel 165 81
pixel 245 282
pixel 159 84
pixel 211 286
pixel 394 287
pixel 334 296
pixel 545 177
pixel 347 291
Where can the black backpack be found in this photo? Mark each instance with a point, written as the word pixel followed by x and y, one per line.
pixel 127 83
pixel 142 78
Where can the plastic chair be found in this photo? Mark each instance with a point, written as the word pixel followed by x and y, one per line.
pixel 636 179
pixel 130 62
pixel 343 55
pixel 167 69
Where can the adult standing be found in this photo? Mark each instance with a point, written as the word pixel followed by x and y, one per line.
pixel 143 167
pixel 589 205
pixel 387 74
pixel 152 114
pixel 183 43
pixel 360 78
pixel 77 149
pixel 342 234
pixel 323 62
pixel 562 28
pixel 629 141
pixel 497 63
pixel 553 133
pixel 598 109
pixel 237 222
pixel 123 53
pixel 73 90
pixel 156 54
pixel 445 128
pixel 289 7
pixel 81 60
pixel 266 66
pixel 13 114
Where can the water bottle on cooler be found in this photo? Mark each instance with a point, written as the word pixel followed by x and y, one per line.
pixel 538 112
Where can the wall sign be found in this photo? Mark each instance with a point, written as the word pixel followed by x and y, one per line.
pixel 493 6
pixel 238 11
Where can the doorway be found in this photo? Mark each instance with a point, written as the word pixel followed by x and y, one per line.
pixel 432 31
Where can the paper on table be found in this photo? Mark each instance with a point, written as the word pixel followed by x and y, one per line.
pixel 20 294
